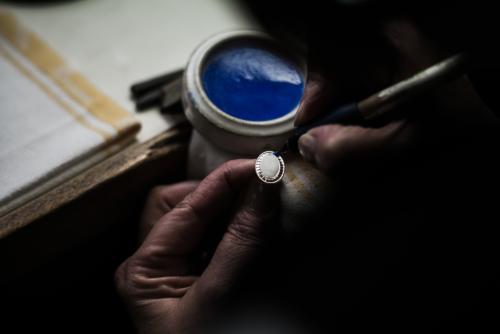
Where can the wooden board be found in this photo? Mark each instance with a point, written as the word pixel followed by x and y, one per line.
pixel 108 194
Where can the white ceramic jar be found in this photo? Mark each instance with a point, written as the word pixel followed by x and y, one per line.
pixel 259 85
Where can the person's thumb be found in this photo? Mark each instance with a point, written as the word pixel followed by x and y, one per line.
pixel 332 146
pixel 242 242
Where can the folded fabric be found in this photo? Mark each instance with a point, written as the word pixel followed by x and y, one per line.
pixel 53 122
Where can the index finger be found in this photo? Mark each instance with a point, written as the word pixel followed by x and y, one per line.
pixel 161 200
pixel 180 231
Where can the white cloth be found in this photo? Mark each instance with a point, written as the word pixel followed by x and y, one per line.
pixel 115 43
pixel 44 131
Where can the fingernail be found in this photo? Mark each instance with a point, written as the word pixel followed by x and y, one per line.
pixel 307 145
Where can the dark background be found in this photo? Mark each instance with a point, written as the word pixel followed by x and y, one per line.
pixel 421 255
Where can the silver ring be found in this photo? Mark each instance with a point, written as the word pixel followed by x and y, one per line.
pixel 270 167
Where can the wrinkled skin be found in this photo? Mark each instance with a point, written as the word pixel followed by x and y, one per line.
pixel 168 285
pixel 173 284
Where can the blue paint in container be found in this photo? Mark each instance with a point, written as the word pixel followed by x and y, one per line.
pixel 252 83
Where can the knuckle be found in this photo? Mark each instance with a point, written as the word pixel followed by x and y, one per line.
pixel 160 197
pixel 153 253
pixel 156 193
pixel 188 210
pixel 228 167
pixel 128 279
pixel 156 198
pixel 122 279
pixel 226 171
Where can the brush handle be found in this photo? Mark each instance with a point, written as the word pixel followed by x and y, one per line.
pixel 348 114
pixel 380 103
pixel 388 99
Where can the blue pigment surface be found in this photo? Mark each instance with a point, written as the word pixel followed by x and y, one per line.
pixel 252 83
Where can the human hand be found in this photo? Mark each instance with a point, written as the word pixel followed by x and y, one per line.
pixel 449 114
pixel 166 284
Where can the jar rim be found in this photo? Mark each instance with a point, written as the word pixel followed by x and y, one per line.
pixel 225 130
pixel 208 110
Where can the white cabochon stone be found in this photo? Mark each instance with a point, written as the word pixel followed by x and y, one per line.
pixel 269 166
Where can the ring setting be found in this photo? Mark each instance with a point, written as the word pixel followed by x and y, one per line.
pixel 270 167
